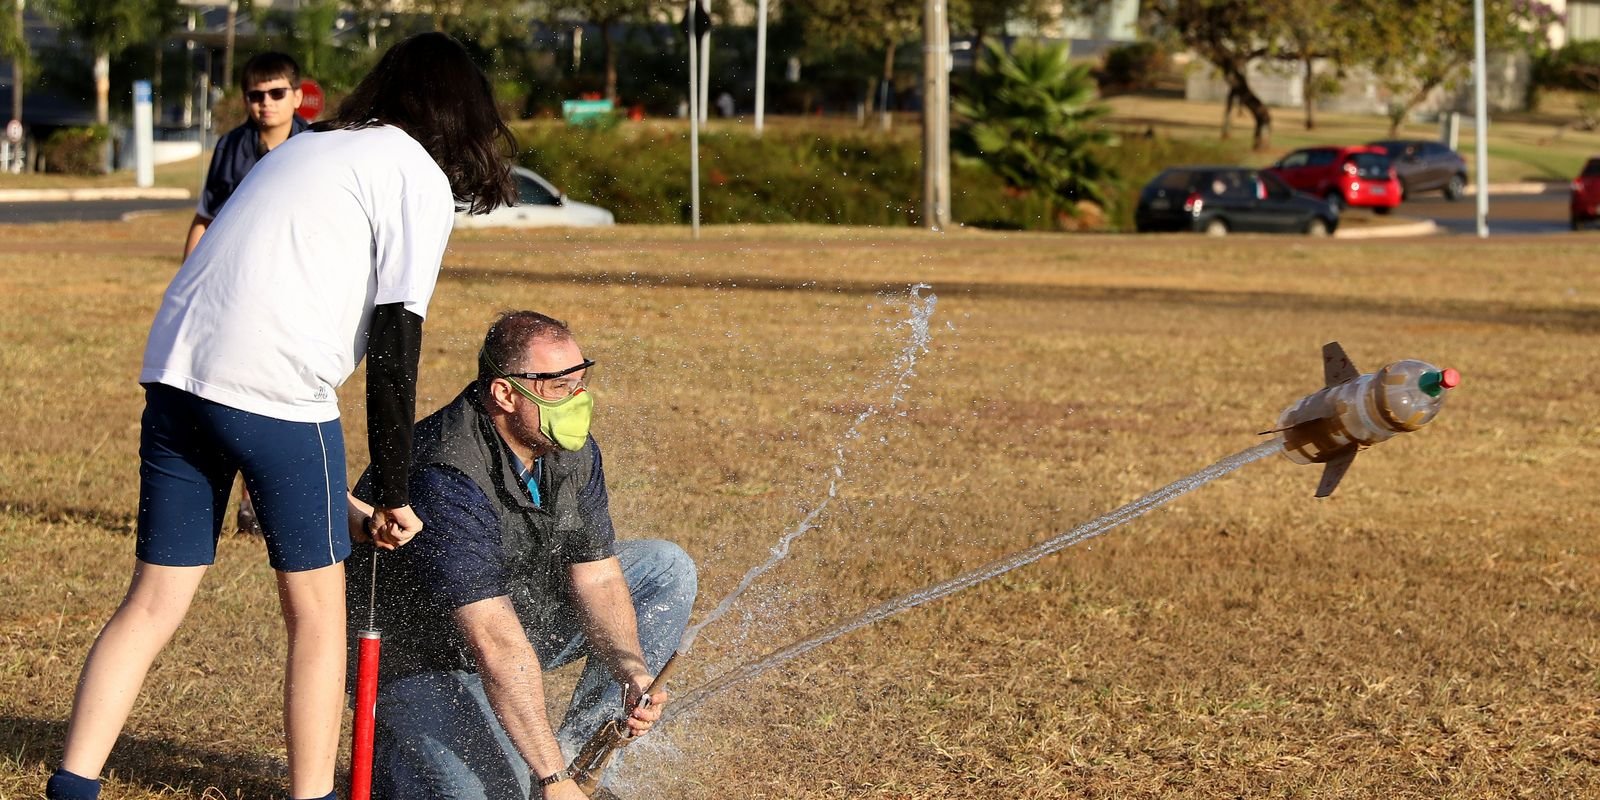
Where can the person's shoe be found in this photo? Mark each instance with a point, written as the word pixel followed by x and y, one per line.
pixel 246 519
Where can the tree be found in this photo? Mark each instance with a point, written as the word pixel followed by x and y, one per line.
pixel 1228 33
pixel 983 17
pixel 1304 31
pixel 108 27
pixel 873 25
pixel 607 15
pixel 1030 119
pixel 1417 46
pixel 14 46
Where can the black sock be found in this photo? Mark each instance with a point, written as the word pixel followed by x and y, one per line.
pixel 64 785
pixel 333 795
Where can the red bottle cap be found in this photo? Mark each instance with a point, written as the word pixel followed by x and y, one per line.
pixel 1450 379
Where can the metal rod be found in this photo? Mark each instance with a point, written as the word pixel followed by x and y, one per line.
pixel 1480 99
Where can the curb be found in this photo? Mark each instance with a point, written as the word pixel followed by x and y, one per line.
pixel 103 193
pixel 1523 187
pixel 1419 227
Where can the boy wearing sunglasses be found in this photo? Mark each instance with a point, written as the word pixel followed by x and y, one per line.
pixel 271 90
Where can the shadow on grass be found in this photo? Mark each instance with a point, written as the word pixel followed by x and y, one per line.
pixel 1578 320
pixel 153 764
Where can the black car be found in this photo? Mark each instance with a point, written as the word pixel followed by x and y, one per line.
pixel 1217 200
pixel 1424 166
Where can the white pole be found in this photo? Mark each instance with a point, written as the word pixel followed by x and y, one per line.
pixel 143 136
pixel 694 126
pixel 761 63
pixel 705 77
pixel 1480 97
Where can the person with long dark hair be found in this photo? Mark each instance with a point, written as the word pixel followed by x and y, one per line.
pixel 329 251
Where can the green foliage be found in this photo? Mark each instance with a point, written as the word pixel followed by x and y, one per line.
pixel 1575 66
pixel 1031 119
pixel 1134 66
pixel 75 151
pixel 641 173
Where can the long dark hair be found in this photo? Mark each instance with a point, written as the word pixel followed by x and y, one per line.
pixel 427 86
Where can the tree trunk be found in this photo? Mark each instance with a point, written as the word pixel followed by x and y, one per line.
pixel 1227 116
pixel 1235 76
pixel 885 120
pixel 1308 92
pixel 609 54
pixel 102 86
pixel 1398 114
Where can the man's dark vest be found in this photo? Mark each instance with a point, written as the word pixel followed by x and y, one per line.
pixel 461 437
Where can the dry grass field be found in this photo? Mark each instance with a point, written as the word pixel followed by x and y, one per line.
pixel 1431 631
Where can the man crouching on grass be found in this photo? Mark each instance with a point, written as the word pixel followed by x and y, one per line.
pixel 519 571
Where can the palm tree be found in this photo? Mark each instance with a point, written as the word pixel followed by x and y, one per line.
pixel 1030 118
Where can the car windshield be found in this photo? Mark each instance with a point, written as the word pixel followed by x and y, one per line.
pixel 1592 169
pixel 531 193
pixel 1370 165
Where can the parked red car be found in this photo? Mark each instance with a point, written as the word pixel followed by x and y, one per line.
pixel 1346 176
pixel 1586 195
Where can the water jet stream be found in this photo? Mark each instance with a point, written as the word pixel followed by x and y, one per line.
pixel 905 364
pixel 993 569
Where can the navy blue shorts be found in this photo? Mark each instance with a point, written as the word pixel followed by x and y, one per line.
pixel 190 449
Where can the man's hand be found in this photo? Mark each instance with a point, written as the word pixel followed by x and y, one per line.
pixel 565 790
pixel 393 527
pixel 645 714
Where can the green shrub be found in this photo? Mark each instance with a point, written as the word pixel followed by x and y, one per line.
pixel 1133 67
pixel 75 151
pixel 641 173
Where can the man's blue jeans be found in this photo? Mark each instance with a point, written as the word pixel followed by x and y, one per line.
pixel 437 737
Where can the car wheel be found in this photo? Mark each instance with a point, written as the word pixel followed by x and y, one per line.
pixel 1577 224
pixel 1317 227
pixel 1216 227
pixel 1336 200
pixel 1382 211
pixel 1456 187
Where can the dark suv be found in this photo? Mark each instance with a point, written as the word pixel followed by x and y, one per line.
pixel 1217 200
pixel 1424 166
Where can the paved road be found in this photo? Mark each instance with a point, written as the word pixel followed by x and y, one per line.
pixel 83 210
pixel 1519 213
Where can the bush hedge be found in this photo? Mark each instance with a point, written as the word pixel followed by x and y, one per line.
pixel 639 172
pixel 75 151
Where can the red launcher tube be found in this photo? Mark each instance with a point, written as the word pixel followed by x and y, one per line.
pixel 370 641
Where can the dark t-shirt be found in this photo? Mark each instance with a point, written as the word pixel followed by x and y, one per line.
pixel 237 151
pixel 457 560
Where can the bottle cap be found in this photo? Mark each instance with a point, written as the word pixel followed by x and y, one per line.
pixel 1450 379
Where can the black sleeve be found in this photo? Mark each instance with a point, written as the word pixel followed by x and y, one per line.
pixel 394 345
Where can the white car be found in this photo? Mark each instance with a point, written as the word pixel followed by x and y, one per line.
pixel 538 205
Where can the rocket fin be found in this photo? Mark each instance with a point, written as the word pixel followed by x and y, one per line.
pixel 1334 472
pixel 1336 366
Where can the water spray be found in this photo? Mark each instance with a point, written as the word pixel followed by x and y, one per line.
pixel 366 714
pixel 601 748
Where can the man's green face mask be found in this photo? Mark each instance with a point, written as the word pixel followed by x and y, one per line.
pixel 564 421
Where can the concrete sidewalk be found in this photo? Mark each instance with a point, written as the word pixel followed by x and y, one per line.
pixel 1521 187
pixel 93 193
pixel 1389 228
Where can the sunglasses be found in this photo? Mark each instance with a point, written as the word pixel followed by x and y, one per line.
pixel 258 95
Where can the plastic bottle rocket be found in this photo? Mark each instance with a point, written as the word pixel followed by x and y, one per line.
pixel 1355 411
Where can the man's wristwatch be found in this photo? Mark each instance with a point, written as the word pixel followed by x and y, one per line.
pixel 564 774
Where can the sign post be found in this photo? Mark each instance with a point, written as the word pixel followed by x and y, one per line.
pixel 143 136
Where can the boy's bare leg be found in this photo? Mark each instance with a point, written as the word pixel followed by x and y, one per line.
pixel 157 600
pixel 313 687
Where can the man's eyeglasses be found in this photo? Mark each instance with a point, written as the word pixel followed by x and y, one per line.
pixel 258 95
pixel 555 385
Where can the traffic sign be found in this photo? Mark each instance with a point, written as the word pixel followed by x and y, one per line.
pixel 310 100
pixel 14 130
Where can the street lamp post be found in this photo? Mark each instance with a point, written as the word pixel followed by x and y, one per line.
pixel 1480 98
pixel 935 116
